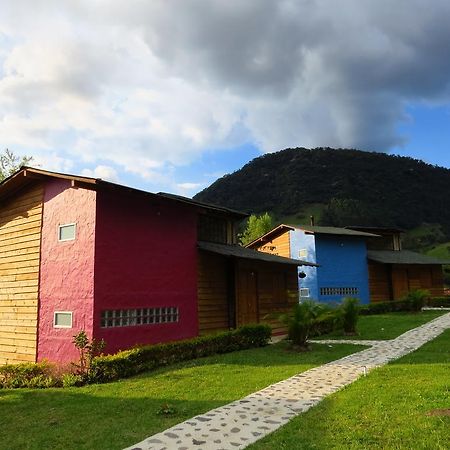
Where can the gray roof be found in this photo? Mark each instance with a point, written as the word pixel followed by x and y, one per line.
pixel 403 257
pixel 241 252
pixel 333 230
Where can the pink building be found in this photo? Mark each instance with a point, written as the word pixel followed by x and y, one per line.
pixel 128 266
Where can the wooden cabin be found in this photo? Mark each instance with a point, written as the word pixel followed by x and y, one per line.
pixel 394 272
pixel 124 265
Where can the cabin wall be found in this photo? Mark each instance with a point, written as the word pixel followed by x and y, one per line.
pixel 406 278
pixel 67 268
pixel 278 246
pixel 274 288
pixel 213 293
pixel 343 268
pixel 20 242
pixel 303 246
pixel 145 259
pixel 379 282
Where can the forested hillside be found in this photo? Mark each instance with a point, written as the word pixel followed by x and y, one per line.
pixel 342 187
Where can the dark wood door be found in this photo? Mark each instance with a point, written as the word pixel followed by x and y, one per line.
pixel 247 296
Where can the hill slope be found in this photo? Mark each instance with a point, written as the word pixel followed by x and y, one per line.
pixel 342 187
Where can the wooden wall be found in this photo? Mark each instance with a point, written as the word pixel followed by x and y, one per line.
pixel 277 291
pixel 379 282
pixel 253 292
pixel 212 293
pixel 279 246
pixel 394 282
pixel 407 278
pixel 20 240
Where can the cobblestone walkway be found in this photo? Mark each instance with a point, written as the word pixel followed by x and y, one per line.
pixel 240 423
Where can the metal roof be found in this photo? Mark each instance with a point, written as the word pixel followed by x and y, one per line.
pixel 333 230
pixel 280 229
pixel 26 175
pixel 403 257
pixel 246 253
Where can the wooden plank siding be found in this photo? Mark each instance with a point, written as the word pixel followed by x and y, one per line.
pixel 257 292
pixel 388 282
pixel 277 291
pixel 212 293
pixel 20 241
pixel 379 282
pixel 280 246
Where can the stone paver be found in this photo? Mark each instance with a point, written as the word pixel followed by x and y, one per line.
pixel 240 423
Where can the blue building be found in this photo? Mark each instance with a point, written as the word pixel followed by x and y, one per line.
pixel 341 254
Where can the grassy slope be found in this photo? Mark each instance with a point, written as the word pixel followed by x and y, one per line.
pixel 116 415
pixel 387 326
pixel 385 410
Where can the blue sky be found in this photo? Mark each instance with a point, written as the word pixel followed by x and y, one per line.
pixel 169 96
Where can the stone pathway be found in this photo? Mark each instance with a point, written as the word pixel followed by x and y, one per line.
pixel 240 423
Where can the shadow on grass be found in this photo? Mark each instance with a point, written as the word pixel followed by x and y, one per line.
pixel 73 419
pixel 119 414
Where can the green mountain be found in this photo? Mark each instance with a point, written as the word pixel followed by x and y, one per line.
pixel 342 187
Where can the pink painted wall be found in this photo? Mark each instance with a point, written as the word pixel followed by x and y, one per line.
pixel 146 256
pixel 67 268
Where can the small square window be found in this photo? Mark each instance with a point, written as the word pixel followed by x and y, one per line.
pixel 62 319
pixel 67 232
pixel 304 292
pixel 303 253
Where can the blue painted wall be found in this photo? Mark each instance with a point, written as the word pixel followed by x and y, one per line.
pixel 342 260
pixel 343 264
pixel 300 240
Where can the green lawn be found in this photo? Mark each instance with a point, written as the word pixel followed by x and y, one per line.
pixel 116 415
pixel 385 410
pixel 387 326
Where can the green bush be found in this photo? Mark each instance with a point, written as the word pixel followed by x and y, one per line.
pixel 416 299
pixel 385 307
pixel 328 322
pixel 438 302
pixel 350 312
pixel 308 318
pixel 28 375
pixel 140 359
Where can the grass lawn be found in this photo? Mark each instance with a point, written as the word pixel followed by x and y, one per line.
pixel 385 410
pixel 387 326
pixel 116 415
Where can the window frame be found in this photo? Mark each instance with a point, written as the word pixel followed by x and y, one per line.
pixel 60 226
pixel 304 296
pixel 63 326
pixel 303 253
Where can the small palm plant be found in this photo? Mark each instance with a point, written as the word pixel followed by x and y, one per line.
pixel 301 322
pixel 350 313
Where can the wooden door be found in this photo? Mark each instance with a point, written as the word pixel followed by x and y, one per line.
pixel 247 298
pixel 400 285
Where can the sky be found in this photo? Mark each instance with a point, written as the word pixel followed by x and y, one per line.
pixel 169 95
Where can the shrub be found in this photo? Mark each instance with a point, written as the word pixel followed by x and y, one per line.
pixel 350 311
pixel 28 375
pixel 385 307
pixel 326 323
pixel 303 321
pixel 87 350
pixel 416 299
pixel 438 302
pixel 140 359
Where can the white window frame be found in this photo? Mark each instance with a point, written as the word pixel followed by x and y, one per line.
pixel 67 225
pixel 303 253
pixel 304 296
pixel 63 326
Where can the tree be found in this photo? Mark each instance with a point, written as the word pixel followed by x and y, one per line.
pixel 256 227
pixel 10 163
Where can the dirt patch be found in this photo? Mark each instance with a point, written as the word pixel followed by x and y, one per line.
pixel 439 412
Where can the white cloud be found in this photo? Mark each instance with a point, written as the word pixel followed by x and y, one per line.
pixel 104 172
pixel 146 86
